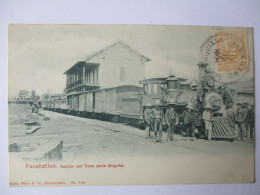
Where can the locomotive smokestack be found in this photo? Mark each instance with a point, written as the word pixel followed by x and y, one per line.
pixel 172 82
pixel 202 66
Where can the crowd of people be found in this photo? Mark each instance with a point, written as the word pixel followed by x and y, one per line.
pixel 241 121
pixel 245 121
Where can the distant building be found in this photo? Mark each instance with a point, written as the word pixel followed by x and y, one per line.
pixel 113 66
pixel 244 91
pixel 23 94
pixel 23 97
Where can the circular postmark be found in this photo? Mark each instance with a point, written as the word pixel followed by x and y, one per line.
pixel 226 55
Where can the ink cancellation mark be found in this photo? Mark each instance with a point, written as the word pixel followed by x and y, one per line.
pixel 226 54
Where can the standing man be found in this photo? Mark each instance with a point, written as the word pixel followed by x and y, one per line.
pixel 246 122
pixel 251 120
pixel 187 117
pixel 33 108
pixel 148 121
pixel 240 118
pixel 170 117
pixel 207 117
pixel 157 115
pixel 227 97
pixel 231 117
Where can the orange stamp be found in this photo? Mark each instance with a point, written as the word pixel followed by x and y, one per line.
pixel 226 54
pixel 231 51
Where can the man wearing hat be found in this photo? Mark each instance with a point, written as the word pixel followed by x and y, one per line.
pixel 194 85
pixel 170 117
pixel 231 117
pixel 188 119
pixel 251 120
pixel 207 117
pixel 245 104
pixel 240 118
pixel 148 121
pixel 157 115
pixel 226 96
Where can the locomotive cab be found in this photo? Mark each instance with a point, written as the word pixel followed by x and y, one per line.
pixel 153 89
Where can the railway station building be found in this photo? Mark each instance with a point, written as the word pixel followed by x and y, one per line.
pixel 244 92
pixel 113 66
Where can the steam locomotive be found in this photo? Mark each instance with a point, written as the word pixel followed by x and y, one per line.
pixel 127 103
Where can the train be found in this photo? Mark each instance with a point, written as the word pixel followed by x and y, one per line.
pixel 127 103
pixel 117 104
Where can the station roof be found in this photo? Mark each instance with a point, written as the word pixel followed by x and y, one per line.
pixel 80 63
pixel 243 85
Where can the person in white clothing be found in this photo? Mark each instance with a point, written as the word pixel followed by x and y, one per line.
pixel 207 117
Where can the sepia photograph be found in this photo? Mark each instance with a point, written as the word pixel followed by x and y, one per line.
pixel 98 105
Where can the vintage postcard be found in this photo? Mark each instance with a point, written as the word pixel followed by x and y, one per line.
pixel 130 105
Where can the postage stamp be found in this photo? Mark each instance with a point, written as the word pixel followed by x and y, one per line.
pixel 226 54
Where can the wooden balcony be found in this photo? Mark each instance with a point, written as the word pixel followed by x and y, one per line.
pixel 79 82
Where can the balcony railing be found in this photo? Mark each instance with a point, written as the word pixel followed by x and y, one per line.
pixel 74 84
pixel 81 82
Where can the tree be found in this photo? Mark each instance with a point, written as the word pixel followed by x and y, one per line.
pixel 23 94
pixel 33 95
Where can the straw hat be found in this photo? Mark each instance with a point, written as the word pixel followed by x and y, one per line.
pixel 194 83
pixel 239 103
pixel 148 104
pixel 207 106
pixel 190 106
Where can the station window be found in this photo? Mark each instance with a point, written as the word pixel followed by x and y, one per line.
pixel 94 100
pixel 93 72
pixel 97 75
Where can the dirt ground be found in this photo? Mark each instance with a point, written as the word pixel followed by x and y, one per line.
pixel 92 137
pixel 87 138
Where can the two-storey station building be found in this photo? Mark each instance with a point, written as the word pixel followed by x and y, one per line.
pixel 114 66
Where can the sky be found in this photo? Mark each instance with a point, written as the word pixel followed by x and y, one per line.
pixel 40 54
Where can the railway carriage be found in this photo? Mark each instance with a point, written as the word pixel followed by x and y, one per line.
pixel 52 104
pixel 45 104
pixel 63 104
pixel 105 104
pixel 57 104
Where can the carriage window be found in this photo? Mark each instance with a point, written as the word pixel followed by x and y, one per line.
pixel 145 89
pixel 163 86
pixel 155 88
pixel 149 91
